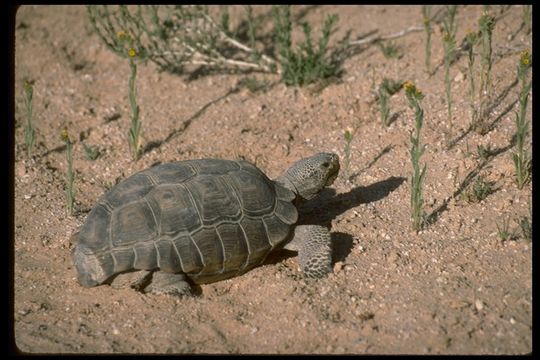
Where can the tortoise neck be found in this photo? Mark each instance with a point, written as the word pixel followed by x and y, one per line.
pixel 287 183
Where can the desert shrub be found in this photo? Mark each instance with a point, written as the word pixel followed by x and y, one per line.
pixel 178 36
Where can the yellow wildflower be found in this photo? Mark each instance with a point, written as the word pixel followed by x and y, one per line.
pixel 64 134
pixel 132 52
pixel 28 88
pixel 121 34
pixel 412 90
pixel 525 57
pixel 408 85
pixel 446 36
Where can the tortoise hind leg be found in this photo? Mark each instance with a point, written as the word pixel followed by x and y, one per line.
pixel 169 283
pixel 314 246
pixel 137 280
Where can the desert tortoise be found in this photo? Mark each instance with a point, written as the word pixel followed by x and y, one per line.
pixel 206 219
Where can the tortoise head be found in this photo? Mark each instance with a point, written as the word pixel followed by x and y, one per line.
pixel 308 176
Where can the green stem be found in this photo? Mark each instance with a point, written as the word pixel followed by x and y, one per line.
pixel 29 133
pixel 134 132
pixel 70 177
pixel 418 174
pixel 472 89
pixel 426 12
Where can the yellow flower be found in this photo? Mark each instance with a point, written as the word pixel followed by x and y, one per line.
pixel 121 34
pixel 132 52
pixel 412 90
pixel 27 87
pixel 408 85
pixel 525 57
pixel 64 134
pixel 446 36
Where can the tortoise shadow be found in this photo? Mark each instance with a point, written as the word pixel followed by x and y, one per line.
pixel 342 244
pixel 327 206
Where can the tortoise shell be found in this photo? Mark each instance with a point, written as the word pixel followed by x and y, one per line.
pixel 211 219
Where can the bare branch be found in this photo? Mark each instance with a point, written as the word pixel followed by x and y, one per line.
pixel 236 43
pixel 375 38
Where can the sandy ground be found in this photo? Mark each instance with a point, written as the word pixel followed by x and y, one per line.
pixel 454 288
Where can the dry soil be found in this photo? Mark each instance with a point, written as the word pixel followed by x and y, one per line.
pixel 453 288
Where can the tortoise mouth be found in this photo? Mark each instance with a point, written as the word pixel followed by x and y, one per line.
pixel 331 179
pixel 334 170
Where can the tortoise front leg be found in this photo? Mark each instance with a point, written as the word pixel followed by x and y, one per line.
pixel 314 246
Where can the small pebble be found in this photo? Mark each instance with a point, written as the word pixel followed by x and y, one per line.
pixel 479 305
pixel 20 170
pixel 338 266
pixel 459 77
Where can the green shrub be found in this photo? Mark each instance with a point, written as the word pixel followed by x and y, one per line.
pixel 309 63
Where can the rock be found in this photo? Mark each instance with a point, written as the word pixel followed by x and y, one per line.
pixel 338 266
pixel 478 304
pixel 20 170
pixel 459 77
